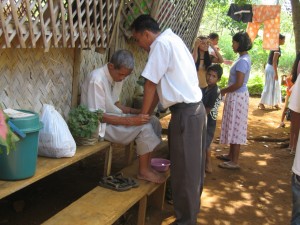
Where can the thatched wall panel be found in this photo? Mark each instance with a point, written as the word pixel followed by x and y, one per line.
pixel 30 78
pixel 130 86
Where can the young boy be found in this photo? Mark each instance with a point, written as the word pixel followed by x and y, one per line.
pixel 211 100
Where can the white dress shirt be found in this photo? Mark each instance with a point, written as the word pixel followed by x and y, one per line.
pixel 171 66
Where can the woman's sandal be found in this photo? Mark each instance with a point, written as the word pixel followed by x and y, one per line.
pixel 281 125
pixel 223 157
pixel 261 106
pixel 277 107
pixel 229 165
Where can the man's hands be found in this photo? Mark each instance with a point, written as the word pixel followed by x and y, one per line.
pixel 137 120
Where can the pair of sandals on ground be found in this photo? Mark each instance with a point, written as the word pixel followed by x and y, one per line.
pixel 262 107
pixel 118 182
pixel 227 164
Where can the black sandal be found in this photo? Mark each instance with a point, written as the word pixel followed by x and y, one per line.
pixel 114 184
pixel 128 180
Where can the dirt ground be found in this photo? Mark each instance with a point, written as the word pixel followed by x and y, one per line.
pixel 259 193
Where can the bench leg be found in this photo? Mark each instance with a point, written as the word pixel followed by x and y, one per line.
pixel 157 198
pixel 142 211
pixel 108 159
pixel 129 152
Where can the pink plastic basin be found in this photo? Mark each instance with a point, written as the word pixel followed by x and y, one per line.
pixel 160 164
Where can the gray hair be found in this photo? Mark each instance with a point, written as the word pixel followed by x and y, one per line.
pixel 122 58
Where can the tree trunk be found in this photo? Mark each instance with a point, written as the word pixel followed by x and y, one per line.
pixel 296 22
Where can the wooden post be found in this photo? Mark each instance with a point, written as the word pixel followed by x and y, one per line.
pixel 76 75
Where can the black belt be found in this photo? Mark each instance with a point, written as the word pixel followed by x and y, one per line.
pixel 183 105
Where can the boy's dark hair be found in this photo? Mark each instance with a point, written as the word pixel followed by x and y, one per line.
pixel 213 35
pixel 145 22
pixel 216 68
pixel 281 37
pixel 244 41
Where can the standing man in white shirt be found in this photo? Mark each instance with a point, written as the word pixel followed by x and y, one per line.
pixel 171 78
pixel 101 90
pixel 294 105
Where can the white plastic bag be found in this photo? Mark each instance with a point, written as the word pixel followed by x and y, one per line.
pixel 55 139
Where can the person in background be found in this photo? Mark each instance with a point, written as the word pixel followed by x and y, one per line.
pixel 294 105
pixel 171 78
pixel 271 94
pixel 120 124
pixel 287 81
pixel 211 100
pixel 235 113
pixel 203 59
pixel 214 40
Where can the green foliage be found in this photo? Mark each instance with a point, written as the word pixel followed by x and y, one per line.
pixel 225 45
pixel 258 55
pixel 82 122
pixel 255 84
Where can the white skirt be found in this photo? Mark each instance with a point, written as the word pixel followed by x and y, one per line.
pixel 235 118
pixel 271 94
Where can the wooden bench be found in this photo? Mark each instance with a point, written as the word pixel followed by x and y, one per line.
pixel 47 166
pixel 104 206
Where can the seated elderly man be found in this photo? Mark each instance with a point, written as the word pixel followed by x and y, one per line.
pixel 121 124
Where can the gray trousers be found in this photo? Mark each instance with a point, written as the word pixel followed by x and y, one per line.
pixel 146 136
pixel 187 134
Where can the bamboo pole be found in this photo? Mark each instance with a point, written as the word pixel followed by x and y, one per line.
pixel 29 17
pixel 17 23
pixel 4 27
pixel 63 23
pixel 72 33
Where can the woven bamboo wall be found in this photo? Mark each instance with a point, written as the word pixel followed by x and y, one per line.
pixel 30 78
pixel 130 86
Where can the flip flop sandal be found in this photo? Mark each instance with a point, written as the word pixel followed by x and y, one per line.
pixel 126 180
pixel 227 165
pixel 113 184
pixel 223 157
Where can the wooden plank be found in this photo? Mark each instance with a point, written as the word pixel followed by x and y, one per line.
pixel 101 24
pixel 3 26
pixel 88 24
pixel 29 17
pixel 142 211
pixel 53 22
pixel 96 32
pixel 43 26
pixel 71 23
pixel 114 34
pixel 47 166
pixel 63 22
pixel 104 206
pixel 76 76
pixel 80 25
pixel 17 23
pixel 129 153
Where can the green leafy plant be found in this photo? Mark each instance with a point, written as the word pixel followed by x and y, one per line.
pixel 82 122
